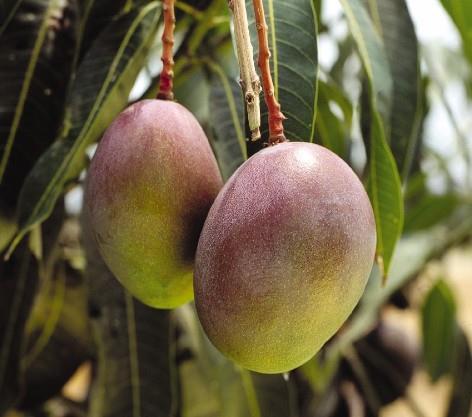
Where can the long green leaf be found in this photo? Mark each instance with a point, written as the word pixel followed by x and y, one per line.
pixel 394 24
pixel 99 93
pixel 439 330
pixel 134 347
pixel 33 95
pixel 226 119
pixel 384 180
pixel 385 194
pixel 294 63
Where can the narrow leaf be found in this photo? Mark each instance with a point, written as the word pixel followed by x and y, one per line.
pixel 397 31
pixel 99 93
pixel 294 63
pixel 439 330
pixel 385 194
pixel 384 180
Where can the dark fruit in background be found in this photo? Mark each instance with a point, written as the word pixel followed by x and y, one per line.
pixel 149 188
pixel 284 256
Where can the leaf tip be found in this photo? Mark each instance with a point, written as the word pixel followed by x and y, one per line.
pixel 19 236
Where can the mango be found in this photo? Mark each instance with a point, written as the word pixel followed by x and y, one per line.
pixel 149 187
pixel 284 256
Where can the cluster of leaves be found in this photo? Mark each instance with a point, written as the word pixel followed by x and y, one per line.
pixel 67 69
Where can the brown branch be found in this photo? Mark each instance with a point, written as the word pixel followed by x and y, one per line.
pixel 166 83
pixel 276 117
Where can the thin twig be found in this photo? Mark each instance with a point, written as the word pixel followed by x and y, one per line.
pixel 166 83
pixel 276 117
pixel 250 82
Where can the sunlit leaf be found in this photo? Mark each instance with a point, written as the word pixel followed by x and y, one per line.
pixel 393 22
pixel 384 180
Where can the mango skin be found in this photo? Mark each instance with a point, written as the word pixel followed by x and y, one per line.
pixel 150 185
pixel 283 257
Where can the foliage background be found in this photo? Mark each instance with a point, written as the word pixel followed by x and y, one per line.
pixel 386 103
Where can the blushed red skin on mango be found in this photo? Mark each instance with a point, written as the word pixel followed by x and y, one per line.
pixel 150 185
pixel 284 256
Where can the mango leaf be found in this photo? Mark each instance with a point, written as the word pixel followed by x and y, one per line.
pixel 34 40
pixel 384 180
pixel 461 13
pixel 226 119
pixel 439 329
pixel 334 118
pixel 18 282
pixel 294 63
pixel 134 348
pixel 394 24
pixel 99 93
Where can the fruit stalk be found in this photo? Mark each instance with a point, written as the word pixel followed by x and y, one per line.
pixel 276 117
pixel 250 81
pixel 166 83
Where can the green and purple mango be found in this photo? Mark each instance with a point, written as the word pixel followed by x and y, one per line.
pixel 283 257
pixel 150 185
